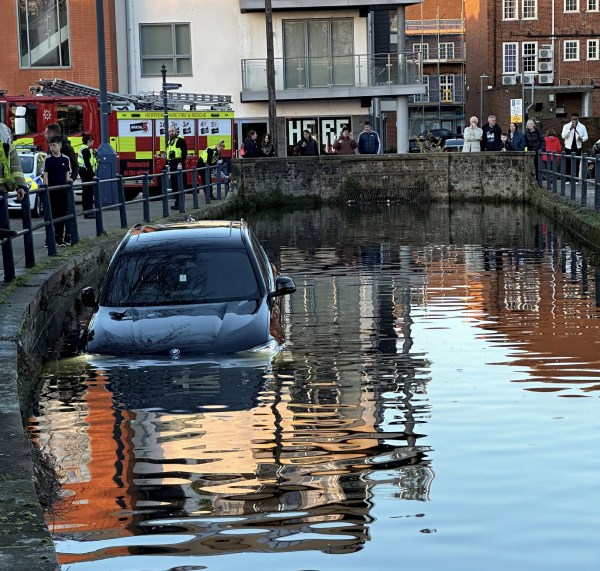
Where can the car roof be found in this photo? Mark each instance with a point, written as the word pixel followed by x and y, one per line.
pixel 204 233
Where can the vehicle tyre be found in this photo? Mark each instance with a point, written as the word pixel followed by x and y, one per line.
pixel 131 193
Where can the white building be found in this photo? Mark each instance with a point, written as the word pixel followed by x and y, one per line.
pixel 327 72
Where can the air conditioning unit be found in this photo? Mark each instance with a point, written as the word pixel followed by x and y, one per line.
pixel 545 66
pixel 509 80
pixel 528 80
pixel 545 54
pixel 546 79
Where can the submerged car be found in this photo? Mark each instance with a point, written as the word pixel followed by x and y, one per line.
pixel 187 289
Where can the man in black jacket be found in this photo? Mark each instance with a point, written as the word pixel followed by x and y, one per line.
pixel 492 135
pixel 251 148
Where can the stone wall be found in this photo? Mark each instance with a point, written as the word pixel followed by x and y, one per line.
pixel 437 177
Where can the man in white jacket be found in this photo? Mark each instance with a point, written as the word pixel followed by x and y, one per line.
pixel 574 134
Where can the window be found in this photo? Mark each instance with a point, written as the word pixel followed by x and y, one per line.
pixel 529 9
pixel 423 48
pixel 571 50
pixel 592 5
pixel 31 124
pixel 592 49
pixel 509 58
pixel 43 33
pixel 571 5
pixel 446 88
pixel 447 50
pixel 425 96
pixel 165 43
pixel 70 118
pixel 509 9
pixel 319 53
pixel 529 57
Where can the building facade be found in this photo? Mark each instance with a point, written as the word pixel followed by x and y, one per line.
pixel 545 53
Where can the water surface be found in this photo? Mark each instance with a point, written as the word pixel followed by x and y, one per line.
pixel 436 407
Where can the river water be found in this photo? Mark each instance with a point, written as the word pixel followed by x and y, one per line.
pixel 435 408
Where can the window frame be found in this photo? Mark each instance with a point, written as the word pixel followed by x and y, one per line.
pixel 26 28
pixel 566 47
pixel 447 82
pixel 529 59
pixel 530 5
pixel 593 42
pixel 449 54
pixel 424 52
pixel 512 8
pixel 505 56
pixel 592 6
pixel 568 10
pixel 174 57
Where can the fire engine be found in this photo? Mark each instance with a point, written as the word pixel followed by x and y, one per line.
pixel 136 123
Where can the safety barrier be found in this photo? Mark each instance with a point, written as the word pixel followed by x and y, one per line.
pixel 556 171
pixel 71 219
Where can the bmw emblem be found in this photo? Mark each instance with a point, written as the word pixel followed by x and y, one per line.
pixel 175 353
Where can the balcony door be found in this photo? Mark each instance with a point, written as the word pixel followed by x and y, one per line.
pixel 318 53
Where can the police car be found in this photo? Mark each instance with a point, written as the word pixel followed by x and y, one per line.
pixel 32 165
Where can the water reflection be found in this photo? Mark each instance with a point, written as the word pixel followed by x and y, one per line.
pixel 333 440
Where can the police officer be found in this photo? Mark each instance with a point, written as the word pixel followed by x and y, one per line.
pixel 11 174
pixel 210 157
pixel 176 154
pixel 88 163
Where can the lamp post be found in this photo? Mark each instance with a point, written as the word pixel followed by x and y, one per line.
pixel 481 78
pixel 107 157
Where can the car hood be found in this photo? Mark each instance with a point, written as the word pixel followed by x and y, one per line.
pixel 179 331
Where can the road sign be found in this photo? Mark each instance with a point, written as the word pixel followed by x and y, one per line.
pixel 516 111
pixel 169 86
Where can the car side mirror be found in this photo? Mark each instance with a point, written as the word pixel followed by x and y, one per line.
pixel 88 297
pixel 283 286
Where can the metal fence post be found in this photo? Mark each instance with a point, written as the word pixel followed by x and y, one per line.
pixel 165 192
pixel 584 167
pixel 195 203
pixel 50 237
pixel 146 194
pixel 573 175
pixel 597 183
pixel 121 197
pixel 7 251
pixel 180 196
pixel 71 221
pixel 28 236
pixel 98 203
pixel 563 174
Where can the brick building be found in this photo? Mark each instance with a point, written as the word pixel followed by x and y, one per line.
pixel 547 52
pixel 54 38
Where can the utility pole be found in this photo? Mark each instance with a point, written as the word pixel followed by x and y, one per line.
pixel 107 157
pixel 163 71
pixel 271 74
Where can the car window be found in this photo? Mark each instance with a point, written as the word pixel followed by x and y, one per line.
pixel 263 262
pixel 151 277
pixel 26 163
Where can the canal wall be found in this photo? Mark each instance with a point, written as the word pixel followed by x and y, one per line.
pixel 418 177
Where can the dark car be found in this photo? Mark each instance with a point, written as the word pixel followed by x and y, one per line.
pixel 437 135
pixel 187 289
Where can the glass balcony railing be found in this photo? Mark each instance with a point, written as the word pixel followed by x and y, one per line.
pixel 358 71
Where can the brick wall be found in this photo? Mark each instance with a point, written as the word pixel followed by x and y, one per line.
pixel 83 49
pixel 434 177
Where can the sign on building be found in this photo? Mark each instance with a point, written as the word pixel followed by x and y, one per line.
pixel 516 111
pixel 324 129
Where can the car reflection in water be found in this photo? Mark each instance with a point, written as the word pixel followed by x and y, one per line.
pixel 188 289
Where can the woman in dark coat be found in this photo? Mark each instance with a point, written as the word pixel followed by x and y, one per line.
pixel 535 141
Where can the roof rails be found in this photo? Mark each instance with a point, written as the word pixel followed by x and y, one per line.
pixel 145 100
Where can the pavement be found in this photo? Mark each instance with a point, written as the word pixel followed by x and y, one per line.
pixel 25 542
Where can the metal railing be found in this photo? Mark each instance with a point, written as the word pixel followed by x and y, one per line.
pixel 576 178
pixel 372 70
pixel 72 218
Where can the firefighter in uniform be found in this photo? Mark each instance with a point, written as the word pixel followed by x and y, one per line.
pixel 176 155
pixel 11 175
pixel 210 157
pixel 88 163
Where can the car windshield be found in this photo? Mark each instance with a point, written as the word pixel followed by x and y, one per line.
pixel 26 163
pixel 152 277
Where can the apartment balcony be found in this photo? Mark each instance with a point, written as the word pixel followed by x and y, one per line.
pixel 434 27
pixel 334 77
pixel 294 5
pixel 450 91
pixel 434 56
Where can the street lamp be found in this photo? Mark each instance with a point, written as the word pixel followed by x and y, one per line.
pixel 481 78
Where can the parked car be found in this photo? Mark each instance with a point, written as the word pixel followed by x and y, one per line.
pixel 32 165
pixel 453 145
pixel 187 289
pixel 437 135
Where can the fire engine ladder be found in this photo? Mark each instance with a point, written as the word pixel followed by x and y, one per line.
pixel 145 100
